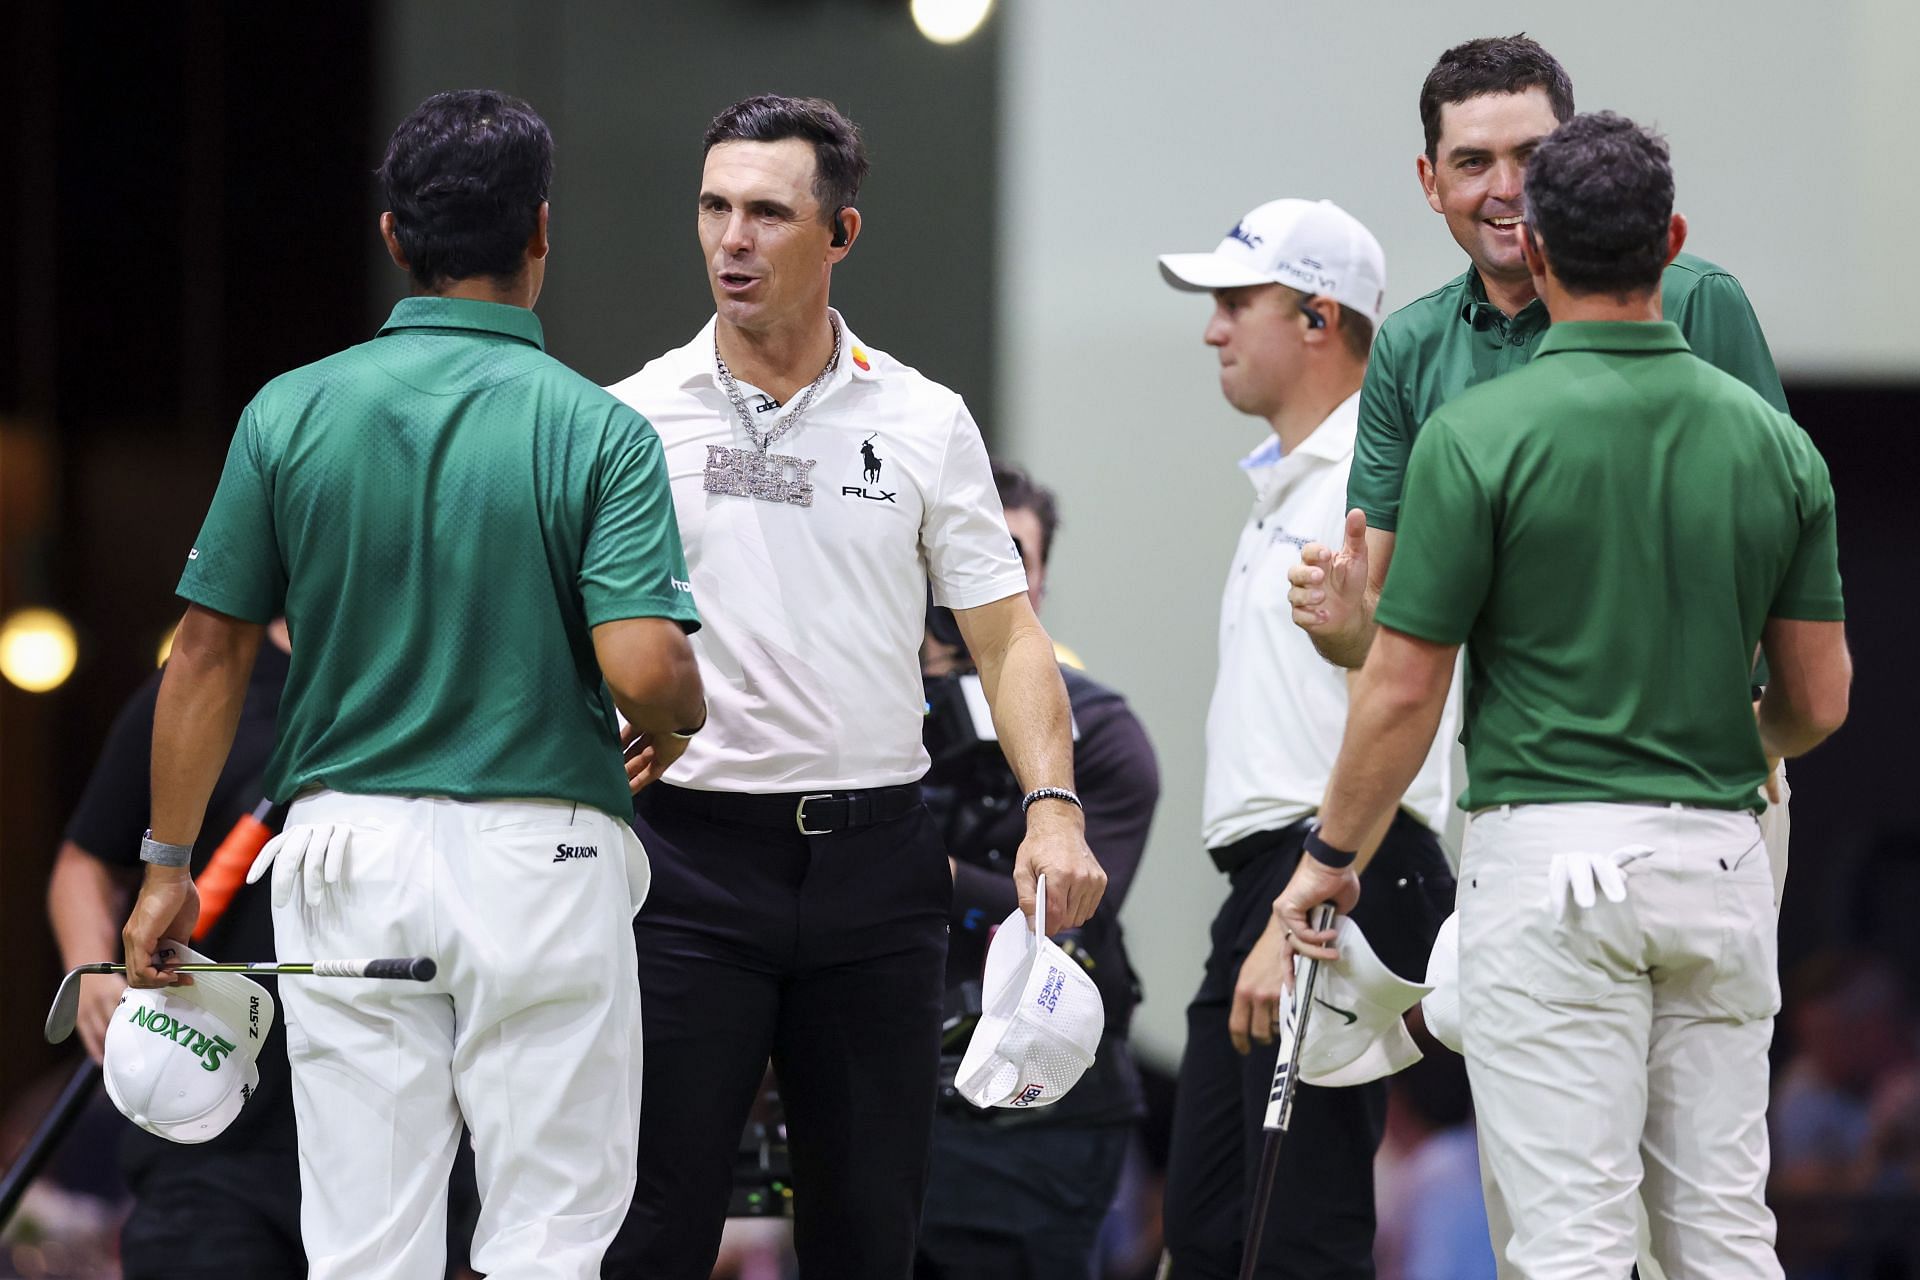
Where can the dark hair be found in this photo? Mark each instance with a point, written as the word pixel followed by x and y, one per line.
pixel 1600 195
pixel 1019 492
pixel 465 176
pixel 1356 331
pixel 1493 64
pixel 839 157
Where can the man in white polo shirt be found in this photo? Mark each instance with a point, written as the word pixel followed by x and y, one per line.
pixel 1297 286
pixel 800 894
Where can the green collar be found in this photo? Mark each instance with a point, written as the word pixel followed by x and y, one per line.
pixel 1477 311
pixel 1632 337
pixel 465 313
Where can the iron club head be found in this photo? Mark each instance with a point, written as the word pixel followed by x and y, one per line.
pixel 66 1001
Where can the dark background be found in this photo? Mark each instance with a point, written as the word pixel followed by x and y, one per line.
pixel 191 212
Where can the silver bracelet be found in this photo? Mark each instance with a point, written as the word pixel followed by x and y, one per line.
pixel 1050 793
pixel 164 855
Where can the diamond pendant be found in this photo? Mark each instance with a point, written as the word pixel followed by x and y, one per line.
pixel 748 473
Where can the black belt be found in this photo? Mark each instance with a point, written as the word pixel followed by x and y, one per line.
pixel 1229 858
pixel 812 813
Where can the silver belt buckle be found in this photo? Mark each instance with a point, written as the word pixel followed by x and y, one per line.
pixel 800 814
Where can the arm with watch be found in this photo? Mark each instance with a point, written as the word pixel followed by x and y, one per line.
pixel 649 667
pixel 1392 716
pixel 1022 682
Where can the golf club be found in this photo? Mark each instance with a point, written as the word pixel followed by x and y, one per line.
pixel 47 1137
pixel 66 1002
pixel 1280 1107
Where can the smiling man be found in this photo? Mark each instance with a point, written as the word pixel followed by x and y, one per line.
pixel 800 893
pixel 1570 524
pixel 1485 107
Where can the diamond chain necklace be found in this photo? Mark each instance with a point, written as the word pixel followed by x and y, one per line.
pixel 793 415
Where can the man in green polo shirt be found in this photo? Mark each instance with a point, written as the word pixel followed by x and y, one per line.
pixel 476 554
pixel 1484 107
pixel 1610 531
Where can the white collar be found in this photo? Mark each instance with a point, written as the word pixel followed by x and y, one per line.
pixel 694 363
pixel 1331 441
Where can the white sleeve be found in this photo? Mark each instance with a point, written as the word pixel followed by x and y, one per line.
pixel 970 555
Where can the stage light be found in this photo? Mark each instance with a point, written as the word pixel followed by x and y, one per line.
pixel 950 21
pixel 37 649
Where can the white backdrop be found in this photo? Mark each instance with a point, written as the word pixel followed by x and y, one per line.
pixel 1136 127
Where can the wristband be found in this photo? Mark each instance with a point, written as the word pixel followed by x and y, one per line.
pixel 1050 793
pixel 1325 854
pixel 685 734
pixel 164 855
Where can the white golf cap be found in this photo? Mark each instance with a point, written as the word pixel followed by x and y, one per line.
pixel 1314 246
pixel 1441 1006
pixel 1040 1022
pixel 180 1061
pixel 1356 1033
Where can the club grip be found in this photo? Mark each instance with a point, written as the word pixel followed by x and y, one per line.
pixel 403 968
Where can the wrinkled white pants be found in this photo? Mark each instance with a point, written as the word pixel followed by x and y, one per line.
pixel 1623 1049
pixel 530 1032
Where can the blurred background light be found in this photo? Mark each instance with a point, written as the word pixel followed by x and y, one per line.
pixel 950 21
pixel 37 649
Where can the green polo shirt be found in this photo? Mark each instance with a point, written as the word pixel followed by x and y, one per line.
pixel 1608 530
pixel 443 514
pixel 1434 348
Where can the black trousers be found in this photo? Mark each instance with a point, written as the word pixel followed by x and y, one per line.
pixel 1018 1202
pixel 826 954
pixel 237 1215
pixel 1320 1225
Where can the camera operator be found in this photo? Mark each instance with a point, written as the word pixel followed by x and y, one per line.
pixel 1024 1192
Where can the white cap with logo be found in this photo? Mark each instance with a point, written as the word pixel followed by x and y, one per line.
pixel 1040 1021
pixel 181 1061
pixel 1356 1033
pixel 1314 246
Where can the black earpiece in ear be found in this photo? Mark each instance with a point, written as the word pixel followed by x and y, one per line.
pixel 1314 319
pixel 839 240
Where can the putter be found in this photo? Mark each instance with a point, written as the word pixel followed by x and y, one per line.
pixel 66 1002
pixel 1280 1108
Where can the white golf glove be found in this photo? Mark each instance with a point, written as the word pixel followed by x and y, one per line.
pixel 315 854
pixel 1573 876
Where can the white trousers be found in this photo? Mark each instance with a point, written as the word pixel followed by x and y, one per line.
pixel 1622 1049
pixel 530 1032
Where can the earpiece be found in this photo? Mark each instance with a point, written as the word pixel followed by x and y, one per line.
pixel 1314 319
pixel 839 240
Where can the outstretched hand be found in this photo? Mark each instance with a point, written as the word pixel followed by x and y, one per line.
pixel 1327 589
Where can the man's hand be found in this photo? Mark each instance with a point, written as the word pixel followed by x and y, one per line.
pixel 168 907
pixel 1056 846
pixel 1265 976
pixel 649 756
pixel 1327 589
pixel 1314 883
pixel 99 997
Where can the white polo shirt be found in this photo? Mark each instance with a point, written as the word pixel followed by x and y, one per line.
pixel 812 615
pixel 1279 709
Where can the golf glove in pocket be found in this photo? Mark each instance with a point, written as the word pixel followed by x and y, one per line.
pixel 1572 876
pixel 315 854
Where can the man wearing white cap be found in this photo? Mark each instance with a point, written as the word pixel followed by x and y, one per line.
pixel 1298 286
